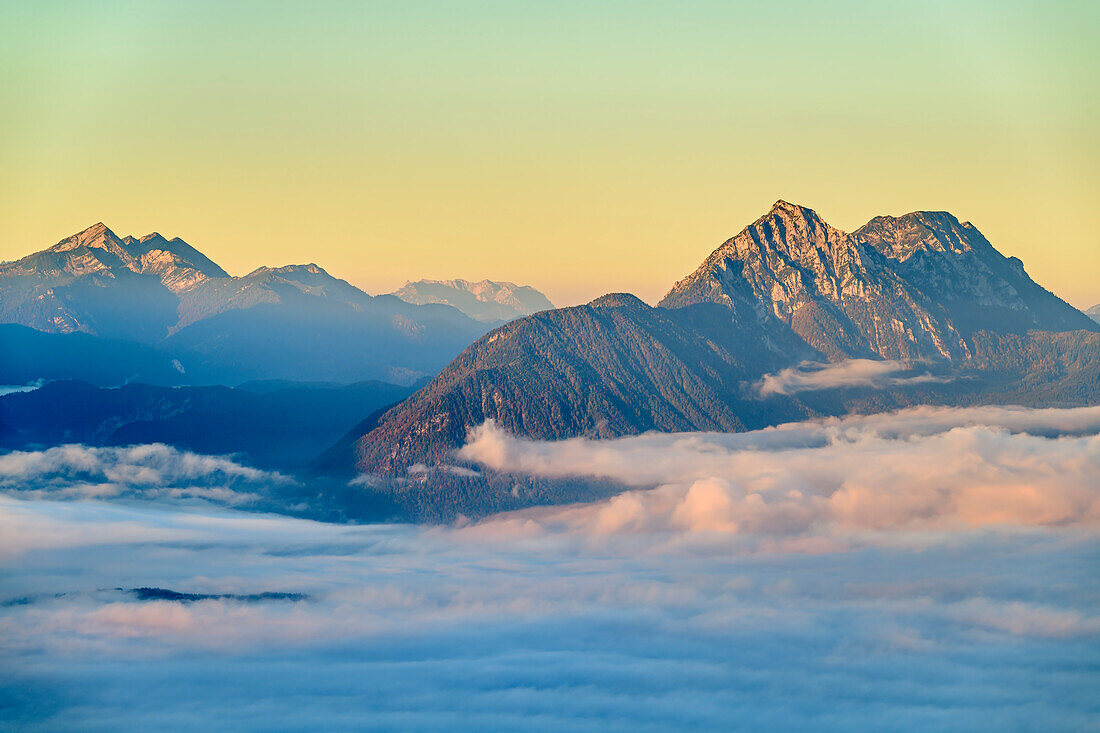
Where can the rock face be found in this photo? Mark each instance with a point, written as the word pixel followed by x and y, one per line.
pixel 486 301
pixel 922 287
pixel 98 250
pixel 910 287
pixel 967 281
pixel 98 283
pixel 295 322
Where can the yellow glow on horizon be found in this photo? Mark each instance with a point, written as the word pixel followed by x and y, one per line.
pixel 575 148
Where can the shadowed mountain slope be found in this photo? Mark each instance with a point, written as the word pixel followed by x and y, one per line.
pixel 613 367
pixel 27 354
pixel 281 428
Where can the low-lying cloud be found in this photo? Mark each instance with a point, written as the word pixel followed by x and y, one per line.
pixel 931 568
pixel 430 628
pixel 152 471
pixel 920 469
pixel 811 376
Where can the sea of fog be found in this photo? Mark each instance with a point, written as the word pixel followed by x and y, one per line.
pixel 929 568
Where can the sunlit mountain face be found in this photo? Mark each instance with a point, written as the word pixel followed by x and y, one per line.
pixel 549 366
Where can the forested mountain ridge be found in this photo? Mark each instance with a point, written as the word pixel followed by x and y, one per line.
pixel 923 290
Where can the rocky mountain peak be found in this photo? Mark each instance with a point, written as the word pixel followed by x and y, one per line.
pixel 98 252
pixel 921 231
pixel 914 286
pixel 289 270
pixel 484 300
pixel 803 217
pixel 772 257
pixel 794 231
pixel 792 212
pixel 97 236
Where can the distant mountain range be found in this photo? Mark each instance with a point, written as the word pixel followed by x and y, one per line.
pixel 295 322
pixel 1094 313
pixel 486 301
pixel 923 289
pixel 922 295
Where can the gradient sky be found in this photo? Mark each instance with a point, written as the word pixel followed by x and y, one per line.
pixel 580 147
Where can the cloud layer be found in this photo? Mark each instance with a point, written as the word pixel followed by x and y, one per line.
pixel 931 569
pixel 429 628
pixel 810 376
pixel 152 471
pixel 925 468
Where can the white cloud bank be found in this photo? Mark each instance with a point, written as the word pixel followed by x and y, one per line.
pixel 930 568
pixel 810 376
pixel 923 468
pixel 153 471
pixel 417 628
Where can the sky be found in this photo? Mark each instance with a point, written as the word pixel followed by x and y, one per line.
pixel 932 569
pixel 579 147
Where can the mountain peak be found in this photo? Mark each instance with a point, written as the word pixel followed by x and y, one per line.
pixel 97 250
pixel 97 236
pixel 913 286
pixel 96 231
pixel 485 300
pixel 786 210
pixel 796 222
pixel 618 300
pixel 289 270
pixel 784 205
pixel 900 237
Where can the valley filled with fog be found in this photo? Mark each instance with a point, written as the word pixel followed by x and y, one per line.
pixel 932 567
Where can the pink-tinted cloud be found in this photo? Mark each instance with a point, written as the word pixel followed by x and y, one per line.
pixel 917 469
pixel 810 376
